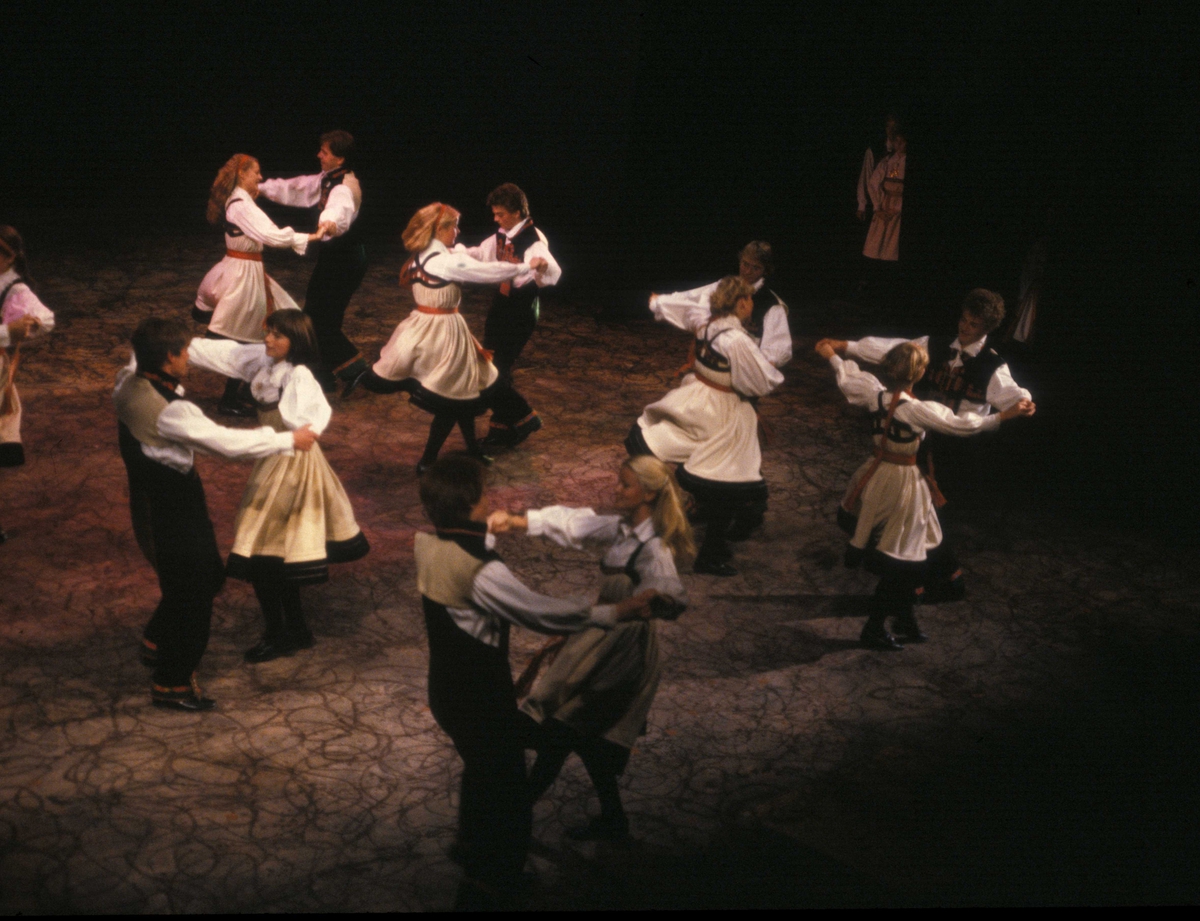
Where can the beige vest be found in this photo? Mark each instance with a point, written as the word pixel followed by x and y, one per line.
pixel 138 406
pixel 445 570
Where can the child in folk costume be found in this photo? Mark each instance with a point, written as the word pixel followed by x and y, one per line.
pixel 295 518
pixel 594 698
pixel 470 599
pixel 237 294
pixel 432 354
pixel 889 507
pixel 708 425
pixel 159 433
pixel 22 317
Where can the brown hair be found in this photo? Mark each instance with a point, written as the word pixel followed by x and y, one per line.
pixel 224 184
pixel 298 327
pixel 156 339
pixel 986 305
pixel 760 251
pixel 905 364
pixel 510 198
pixel 730 290
pixel 340 142
pixel 12 242
pixel 451 488
pixel 425 224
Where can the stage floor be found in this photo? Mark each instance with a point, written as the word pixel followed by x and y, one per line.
pixel 1040 747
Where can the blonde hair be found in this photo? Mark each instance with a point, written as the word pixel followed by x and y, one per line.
pixel 225 183
pixel 730 290
pixel 666 510
pixel 905 364
pixel 425 224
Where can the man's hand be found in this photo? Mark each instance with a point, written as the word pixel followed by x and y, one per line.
pixel 303 438
pixel 327 228
pixel 19 329
pixel 1022 408
pixel 827 347
pixel 636 607
pixel 502 522
pixel 538 264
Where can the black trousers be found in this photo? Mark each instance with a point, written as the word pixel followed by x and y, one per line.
pixel 472 698
pixel 338 273
pixel 171 523
pixel 509 325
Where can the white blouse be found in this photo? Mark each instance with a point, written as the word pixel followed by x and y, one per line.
pixel 776 341
pixel 258 229
pixel 305 192
pixel 573 527
pixel 486 252
pixel 458 265
pixel 22 302
pixel 301 399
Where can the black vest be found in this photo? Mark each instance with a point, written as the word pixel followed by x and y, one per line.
pixel 897 431
pixel 764 299
pixel 351 237
pixel 951 386
pixel 513 249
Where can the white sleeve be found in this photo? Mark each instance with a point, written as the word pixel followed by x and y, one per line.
pixel 541 250
pixel 938 418
pixel 1003 392
pixel 859 387
pixel 499 592
pixel 458 266
pixel 656 567
pixel 570 527
pixel 303 402
pixel 688 310
pixel 864 177
pixel 182 421
pixel 261 229
pixel 298 192
pixel 22 302
pixel 224 356
pixel 750 372
pixel 777 337
pixel 484 252
pixel 339 208
pixel 873 350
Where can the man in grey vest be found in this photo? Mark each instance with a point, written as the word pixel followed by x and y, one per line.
pixel 159 433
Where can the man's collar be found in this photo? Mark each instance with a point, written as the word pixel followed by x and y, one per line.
pixel 973 349
pixel 517 228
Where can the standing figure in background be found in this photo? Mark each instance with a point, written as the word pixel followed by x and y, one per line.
pixel 237 295
pixel 708 424
pixel 22 317
pixel 594 698
pixel 432 354
pixel 341 256
pixel 889 507
pixel 295 518
pixel 883 189
pixel 515 309
pixel 159 433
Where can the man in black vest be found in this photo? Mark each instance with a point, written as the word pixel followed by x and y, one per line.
pixel 514 312
pixel 341 256
pixel 964 373
pixel 159 432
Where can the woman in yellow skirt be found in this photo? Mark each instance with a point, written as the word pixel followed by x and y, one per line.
pixel 295 518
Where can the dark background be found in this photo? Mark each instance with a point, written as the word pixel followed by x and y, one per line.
pixel 654 139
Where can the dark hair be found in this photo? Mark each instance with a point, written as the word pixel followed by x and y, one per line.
pixel 986 305
pixel 14 244
pixel 760 251
pixel 510 198
pixel 156 339
pixel 340 143
pixel 298 327
pixel 451 488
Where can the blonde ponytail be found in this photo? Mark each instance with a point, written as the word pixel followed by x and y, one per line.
pixel 425 224
pixel 670 520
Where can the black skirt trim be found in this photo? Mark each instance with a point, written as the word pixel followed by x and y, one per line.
pixel 12 454
pixel 201 316
pixel 717 491
pixel 635 442
pixel 438 405
pixel 313 572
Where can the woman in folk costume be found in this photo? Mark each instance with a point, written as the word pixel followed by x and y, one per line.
pixel 708 425
pixel 594 698
pixel 237 294
pixel 295 518
pixel 889 508
pixel 22 317
pixel 432 354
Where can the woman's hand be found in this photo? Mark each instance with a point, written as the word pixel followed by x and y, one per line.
pixel 327 229
pixel 20 329
pixel 825 349
pixel 636 607
pixel 1023 408
pixel 538 264
pixel 303 438
pixel 502 522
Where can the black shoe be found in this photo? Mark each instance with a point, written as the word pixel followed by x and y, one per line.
pixel 526 428
pixel 713 567
pixel 423 465
pixel 353 384
pixel 874 637
pixel 908 630
pixel 236 408
pixel 268 649
pixel 602 828
pixel 190 702
pixel 353 371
